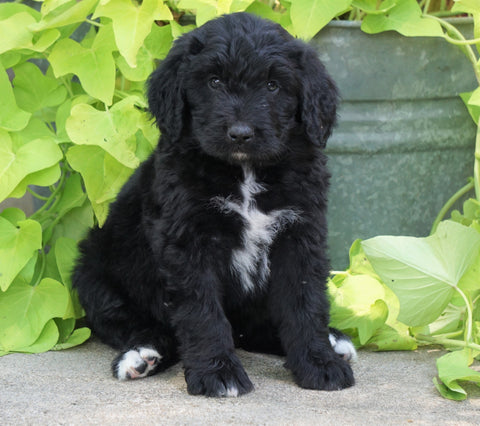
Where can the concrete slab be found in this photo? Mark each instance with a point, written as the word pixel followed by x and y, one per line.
pixel 74 387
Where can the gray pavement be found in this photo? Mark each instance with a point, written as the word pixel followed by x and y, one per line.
pixel 75 387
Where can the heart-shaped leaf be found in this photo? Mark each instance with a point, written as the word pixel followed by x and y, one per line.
pixel 18 244
pixel 26 309
pixel 310 16
pixel 132 23
pixel 423 272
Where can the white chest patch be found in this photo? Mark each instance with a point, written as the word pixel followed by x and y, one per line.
pixel 250 263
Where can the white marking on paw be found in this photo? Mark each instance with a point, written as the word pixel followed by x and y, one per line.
pixel 343 347
pixel 250 262
pixel 333 340
pixel 134 361
pixel 232 391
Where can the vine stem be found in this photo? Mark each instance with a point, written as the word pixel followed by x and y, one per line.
pixel 426 6
pixel 39 276
pixel 460 40
pixel 476 69
pixel 94 23
pixel 40 197
pixel 476 166
pixel 51 198
pixel 339 273
pixel 469 321
pixel 449 204
pixel 448 342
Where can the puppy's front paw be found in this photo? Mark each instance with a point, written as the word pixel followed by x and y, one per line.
pixel 221 377
pixel 136 363
pixel 326 374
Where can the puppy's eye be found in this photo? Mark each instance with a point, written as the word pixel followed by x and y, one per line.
pixel 214 82
pixel 272 86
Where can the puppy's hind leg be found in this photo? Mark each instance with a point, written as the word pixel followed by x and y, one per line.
pixel 138 362
pixel 342 345
pixel 146 342
pixel 147 345
pixel 147 350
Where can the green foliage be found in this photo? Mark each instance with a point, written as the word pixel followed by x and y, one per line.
pixel 366 309
pixel 403 16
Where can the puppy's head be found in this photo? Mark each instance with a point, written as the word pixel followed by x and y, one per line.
pixel 242 89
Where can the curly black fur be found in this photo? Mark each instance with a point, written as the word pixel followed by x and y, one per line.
pixel 219 239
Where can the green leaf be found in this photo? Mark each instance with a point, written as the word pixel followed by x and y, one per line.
pixel 93 65
pixel 452 368
pixel 149 131
pixel 466 6
pixel 9 9
pixel 132 23
pixel 25 276
pixel 112 130
pixel 36 129
pixel 469 282
pixel 17 31
pixel 178 30
pixel 79 336
pixel 74 224
pixel 471 209
pixel 72 195
pixel 159 41
pixel 65 328
pixel 389 338
pixel 55 14
pixel 373 7
pixel 14 32
pixel 45 177
pixel 46 341
pixel 17 162
pixel 34 91
pixel 405 18
pixel 473 107
pixel 11 116
pixel 13 215
pixel 357 304
pixel 144 66
pixel 239 5
pixel 102 174
pixel 423 272
pixel 359 263
pixel 65 253
pixel 310 16
pixel 265 11
pixel 204 9
pixel 449 321
pixel 18 245
pixel 26 309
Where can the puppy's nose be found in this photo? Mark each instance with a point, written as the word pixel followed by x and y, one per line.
pixel 240 133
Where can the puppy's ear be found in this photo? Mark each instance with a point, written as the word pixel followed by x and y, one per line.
pixel 165 88
pixel 319 98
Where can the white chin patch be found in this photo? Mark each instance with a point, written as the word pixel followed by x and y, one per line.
pixel 343 347
pixel 240 156
pixel 137 363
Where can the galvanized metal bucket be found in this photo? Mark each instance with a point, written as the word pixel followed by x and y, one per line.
pixel 405 141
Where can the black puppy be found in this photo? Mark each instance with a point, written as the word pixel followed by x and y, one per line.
pixel 219 239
